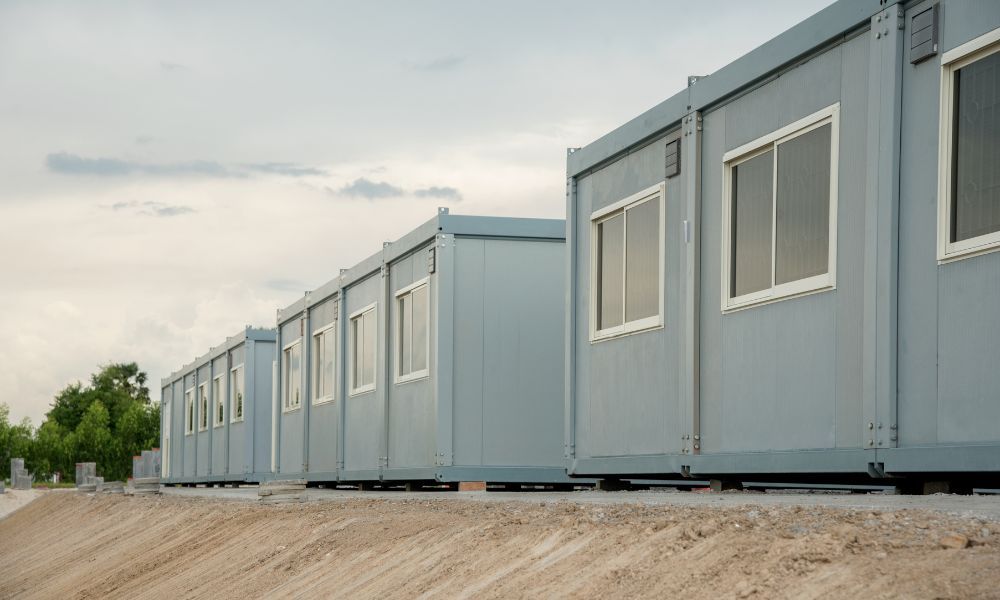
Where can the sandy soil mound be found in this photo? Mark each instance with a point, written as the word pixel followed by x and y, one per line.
pixel 70 545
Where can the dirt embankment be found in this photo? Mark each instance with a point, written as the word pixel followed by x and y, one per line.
pixel 67 545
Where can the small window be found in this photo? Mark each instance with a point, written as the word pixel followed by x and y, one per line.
pixel 292 376
pixel 236 399
pixel 362 343
pixel 627 265
pixel 218 391
pixel 202 407
pixel 780 213
pixel 969 177
pixel 324 360
pixel 189 412
pixel 412 326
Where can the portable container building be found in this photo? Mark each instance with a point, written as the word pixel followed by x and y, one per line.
pixel 216 413
pixel 789 269
pixel 439 358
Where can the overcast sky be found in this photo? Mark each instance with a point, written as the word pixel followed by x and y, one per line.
pixel 172 171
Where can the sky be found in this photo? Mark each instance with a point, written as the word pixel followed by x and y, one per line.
pixel 173 171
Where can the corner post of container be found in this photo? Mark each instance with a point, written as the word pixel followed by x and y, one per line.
pixel 249 407
pixel 305 369
pixel 569 372
pixel 276 399
pixel 341 381
pixel 383 348
pixel 691 174
pixel 879 373
pixel 227 417
pixel 444 348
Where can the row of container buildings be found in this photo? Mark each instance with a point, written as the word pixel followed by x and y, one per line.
pixel 786 271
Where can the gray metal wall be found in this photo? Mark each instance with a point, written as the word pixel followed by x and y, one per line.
pixel 260 354
pixel 627 392
pixel 787 375
pixel 291 422
pixel 190 439
pixel 894 368
pixel 220 441
pixel 508 352
pixel 412 417
pixel 949 330
pixel 364 414
pixel 238 464
pixel 203 438
pixel 324 418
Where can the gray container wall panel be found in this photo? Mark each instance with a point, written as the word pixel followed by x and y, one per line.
pixel 969 353
pixel 190 440
pixel 291 423
pixel 236 437
pixel 322 314
pixel 786 375
pixel 324 425
pixel 292 427
pixel 948 322
pixel 628 388
pixel 204 437
pixel 219 444
pixel 524 350
pixel 261 376
pixel 412 420
pixel 364 421
pixel 469 341
pixel 220 439
pixel 324 419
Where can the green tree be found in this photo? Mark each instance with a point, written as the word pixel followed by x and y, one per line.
pixel 107 421
pixel 93 436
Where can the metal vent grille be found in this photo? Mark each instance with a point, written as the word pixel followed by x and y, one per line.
pixel 673 160
pixel 924 35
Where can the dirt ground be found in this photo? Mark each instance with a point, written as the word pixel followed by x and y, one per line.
pixel 12 500
pixel 72 545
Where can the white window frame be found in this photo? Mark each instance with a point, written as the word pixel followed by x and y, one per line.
pixel 218 400
pixel 203 416
pixel 190 417
pixel 316 368
pixel 952 61
pixel 364 389
pixel 286 405
pixel 231 393
pixel 770 142
pixel 655 193
pixel 425 372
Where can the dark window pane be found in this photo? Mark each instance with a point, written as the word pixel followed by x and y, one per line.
pixel 752 183
pixel 642 274
pixel 802 214
pixel 610 278
pixel 976 167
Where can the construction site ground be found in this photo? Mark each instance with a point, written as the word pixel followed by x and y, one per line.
pixel 221 543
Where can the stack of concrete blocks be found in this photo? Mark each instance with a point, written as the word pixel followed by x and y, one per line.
pixel 86 477
pixel 142 486
pixel 23 480
pixel 146 473
pixel 113 487
pixel 281 491
pixel 20 479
